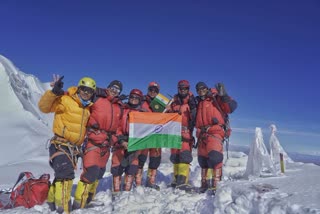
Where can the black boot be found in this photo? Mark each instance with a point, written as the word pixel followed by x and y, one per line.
pixel 182 184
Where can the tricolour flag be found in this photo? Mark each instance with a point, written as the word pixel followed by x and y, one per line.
pixel 158 104
pixel 154 130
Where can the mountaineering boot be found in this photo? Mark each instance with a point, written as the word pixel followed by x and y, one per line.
pixel 92 191
pixel 62 196
pixel 81 195
pixel 138 177
pixel 151 180
pixel 209 177
pixel 204 182
pixel 50 199
pixel 116 186
pixel 174 175
pixel 116 182
pixel 183 177
pixel 216 177
pixel 128 182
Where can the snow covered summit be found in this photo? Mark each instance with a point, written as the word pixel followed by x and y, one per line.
pixel 21 124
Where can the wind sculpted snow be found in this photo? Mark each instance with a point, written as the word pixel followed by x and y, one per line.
pixel 297 191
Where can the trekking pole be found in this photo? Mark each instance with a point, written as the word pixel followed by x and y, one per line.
pixel 227 147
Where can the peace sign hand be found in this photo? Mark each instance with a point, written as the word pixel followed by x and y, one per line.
pixel 57 85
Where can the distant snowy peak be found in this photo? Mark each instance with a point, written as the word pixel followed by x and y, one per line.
pixel 27 88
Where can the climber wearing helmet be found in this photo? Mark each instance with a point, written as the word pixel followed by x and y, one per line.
pixel 154 153
pixel 122 160
pixel 106 113
pixel 71 110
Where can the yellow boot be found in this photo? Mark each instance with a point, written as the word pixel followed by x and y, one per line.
pixel 50 199
pixel 81 195
pixel 62 196
pixel 92 191
pixel 174 175
pixel 183 177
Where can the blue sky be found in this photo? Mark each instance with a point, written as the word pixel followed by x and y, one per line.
pixel 266 52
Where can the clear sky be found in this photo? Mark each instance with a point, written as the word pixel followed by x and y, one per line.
pixel 266 52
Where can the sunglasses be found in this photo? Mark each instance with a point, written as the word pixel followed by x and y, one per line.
pixel 114 89
pixel 86 90
pixel 153 90
pixel 183 88
pixel 201 88
pixel 134 97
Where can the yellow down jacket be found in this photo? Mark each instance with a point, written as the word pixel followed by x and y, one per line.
pixel 70 117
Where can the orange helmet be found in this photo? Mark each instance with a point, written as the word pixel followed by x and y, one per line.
pixel 183 84
pixel 136 92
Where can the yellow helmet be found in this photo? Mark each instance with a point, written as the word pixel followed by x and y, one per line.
pixel 87 82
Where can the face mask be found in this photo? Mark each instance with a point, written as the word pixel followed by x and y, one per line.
pixel 85 103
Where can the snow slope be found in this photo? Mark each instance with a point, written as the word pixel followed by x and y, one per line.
pixel 25 131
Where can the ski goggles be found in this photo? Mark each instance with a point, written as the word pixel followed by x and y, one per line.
pixel 115 89
pixel 86 90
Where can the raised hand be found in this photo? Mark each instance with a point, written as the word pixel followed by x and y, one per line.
pixel 57 85
pixel 55 78
pixel 221 89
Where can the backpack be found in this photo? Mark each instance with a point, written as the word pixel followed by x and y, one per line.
pixel 29 191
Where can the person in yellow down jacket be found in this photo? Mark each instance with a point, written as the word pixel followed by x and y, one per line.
pixel 71 110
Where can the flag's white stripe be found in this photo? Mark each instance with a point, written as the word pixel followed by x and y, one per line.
pixel 161 99
pixel 140 130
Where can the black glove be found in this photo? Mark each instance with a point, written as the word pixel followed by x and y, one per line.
pixel 57 88
pixel 123 97
pixel 221 89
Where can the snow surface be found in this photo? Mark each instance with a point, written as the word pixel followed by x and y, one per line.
pixel 25 131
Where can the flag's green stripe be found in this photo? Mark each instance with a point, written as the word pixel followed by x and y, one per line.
pixel 161 101
pixel 143 130
pixel 155 141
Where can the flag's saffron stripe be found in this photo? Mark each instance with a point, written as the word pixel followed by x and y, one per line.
pixel 162 99
pixel 142 130
pixel 155 141
pixel 153 117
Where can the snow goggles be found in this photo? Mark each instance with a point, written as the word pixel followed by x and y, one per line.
pixel 183 88
pixel 201 88
pixel 134 97
pixel 86 90
pixel 115 89
pixel 153 89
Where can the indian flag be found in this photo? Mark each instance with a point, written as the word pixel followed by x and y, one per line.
pixel 154 130
pixel 159 103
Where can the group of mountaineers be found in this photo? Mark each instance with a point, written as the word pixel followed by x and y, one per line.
pixel 92 122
